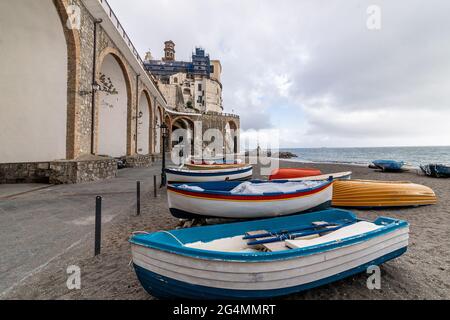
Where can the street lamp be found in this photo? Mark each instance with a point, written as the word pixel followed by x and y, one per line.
pixel 224 154
pixel 164 134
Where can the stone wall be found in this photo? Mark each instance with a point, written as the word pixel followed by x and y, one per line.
pixel 68 172
pixel 58 172
pixel 104 43
pixel 139 161
pixel 25 172
pixel 210 120
pixel 218 121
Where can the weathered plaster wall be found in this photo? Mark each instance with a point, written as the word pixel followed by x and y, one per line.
pixel 33 85
pixel 112 111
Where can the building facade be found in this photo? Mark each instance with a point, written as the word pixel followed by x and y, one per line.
pixel 188 86
pixel 75 95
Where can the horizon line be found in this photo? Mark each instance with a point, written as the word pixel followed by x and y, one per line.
pixel 426 146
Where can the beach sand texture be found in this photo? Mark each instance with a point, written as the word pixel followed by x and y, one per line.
pixel 422 273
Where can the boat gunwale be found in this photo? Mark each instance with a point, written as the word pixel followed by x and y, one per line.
pixel 377 181
pixel 206 173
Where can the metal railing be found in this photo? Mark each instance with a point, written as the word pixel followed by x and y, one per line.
pixel 231 115
pixel 121 30
pixel 112 16
pixel 126 38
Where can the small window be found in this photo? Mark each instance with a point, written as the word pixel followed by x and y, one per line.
pixel 212 69
pixel 175 80
pixel 199 87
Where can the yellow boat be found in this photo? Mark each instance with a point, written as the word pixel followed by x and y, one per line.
pixel 369 194
pixel 214 166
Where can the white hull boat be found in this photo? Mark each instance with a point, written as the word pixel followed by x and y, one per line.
pixel 188 175
pixel 217 262
pixel 248 200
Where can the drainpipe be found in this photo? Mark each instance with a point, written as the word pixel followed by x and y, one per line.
pixel 137 113
pixel 94 84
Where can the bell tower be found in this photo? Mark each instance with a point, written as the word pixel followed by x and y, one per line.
pixel 169 51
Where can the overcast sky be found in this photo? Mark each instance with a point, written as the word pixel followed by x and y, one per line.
pixel 313 69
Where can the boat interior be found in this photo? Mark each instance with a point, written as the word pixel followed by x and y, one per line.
pixel 271 242
pixel 254 187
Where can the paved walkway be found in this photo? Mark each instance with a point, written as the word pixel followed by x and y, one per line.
pixel 40 222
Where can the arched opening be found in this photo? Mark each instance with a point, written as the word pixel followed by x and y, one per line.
pixel 231 138
pixel 188 136
pixel 113 107
pixel 158 138
pixel 144 127
pixel 34 65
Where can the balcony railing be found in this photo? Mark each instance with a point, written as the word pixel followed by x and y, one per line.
pixel 126 38
pixel 121 30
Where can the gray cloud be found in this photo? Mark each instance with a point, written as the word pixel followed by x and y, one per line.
pixel 351 86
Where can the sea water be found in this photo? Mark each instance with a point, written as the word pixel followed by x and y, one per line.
pixel 414 156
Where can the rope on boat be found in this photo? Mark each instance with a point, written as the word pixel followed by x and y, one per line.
pixel 162 231
pixel 140 232
pixel 167 232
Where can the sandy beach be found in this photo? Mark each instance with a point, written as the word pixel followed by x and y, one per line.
pixel 422 273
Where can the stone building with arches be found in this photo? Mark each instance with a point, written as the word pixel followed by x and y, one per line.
pixel 75 94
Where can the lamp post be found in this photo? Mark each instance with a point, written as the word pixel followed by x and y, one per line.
pixel 164 133
pixel 224 154
pixel 95 85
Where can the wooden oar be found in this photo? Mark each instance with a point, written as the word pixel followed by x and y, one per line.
pixel 293 236
pixel 315 225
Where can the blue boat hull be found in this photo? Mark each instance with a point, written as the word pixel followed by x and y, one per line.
pixel 165 288
pixel 181 214
pixel 389 165
pixel 436 170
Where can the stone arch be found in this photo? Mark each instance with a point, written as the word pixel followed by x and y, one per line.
pixel 168 122
pixel 39 82
pixel 72 36
pixel 231 136
pixel 113 126
pixel 145 128
pixel 186 123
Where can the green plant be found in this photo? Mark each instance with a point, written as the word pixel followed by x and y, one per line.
pixel 106 85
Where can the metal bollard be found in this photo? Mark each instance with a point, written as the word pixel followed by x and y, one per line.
pixel 98 225
pixel 138 196
pixel 155 192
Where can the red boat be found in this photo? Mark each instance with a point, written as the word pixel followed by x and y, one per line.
pixel 291 173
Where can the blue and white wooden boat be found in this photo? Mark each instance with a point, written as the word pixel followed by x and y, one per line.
pixel 247 200
pixel 188 175
pixel 389 165
pixel 220 261
pixel 436 170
